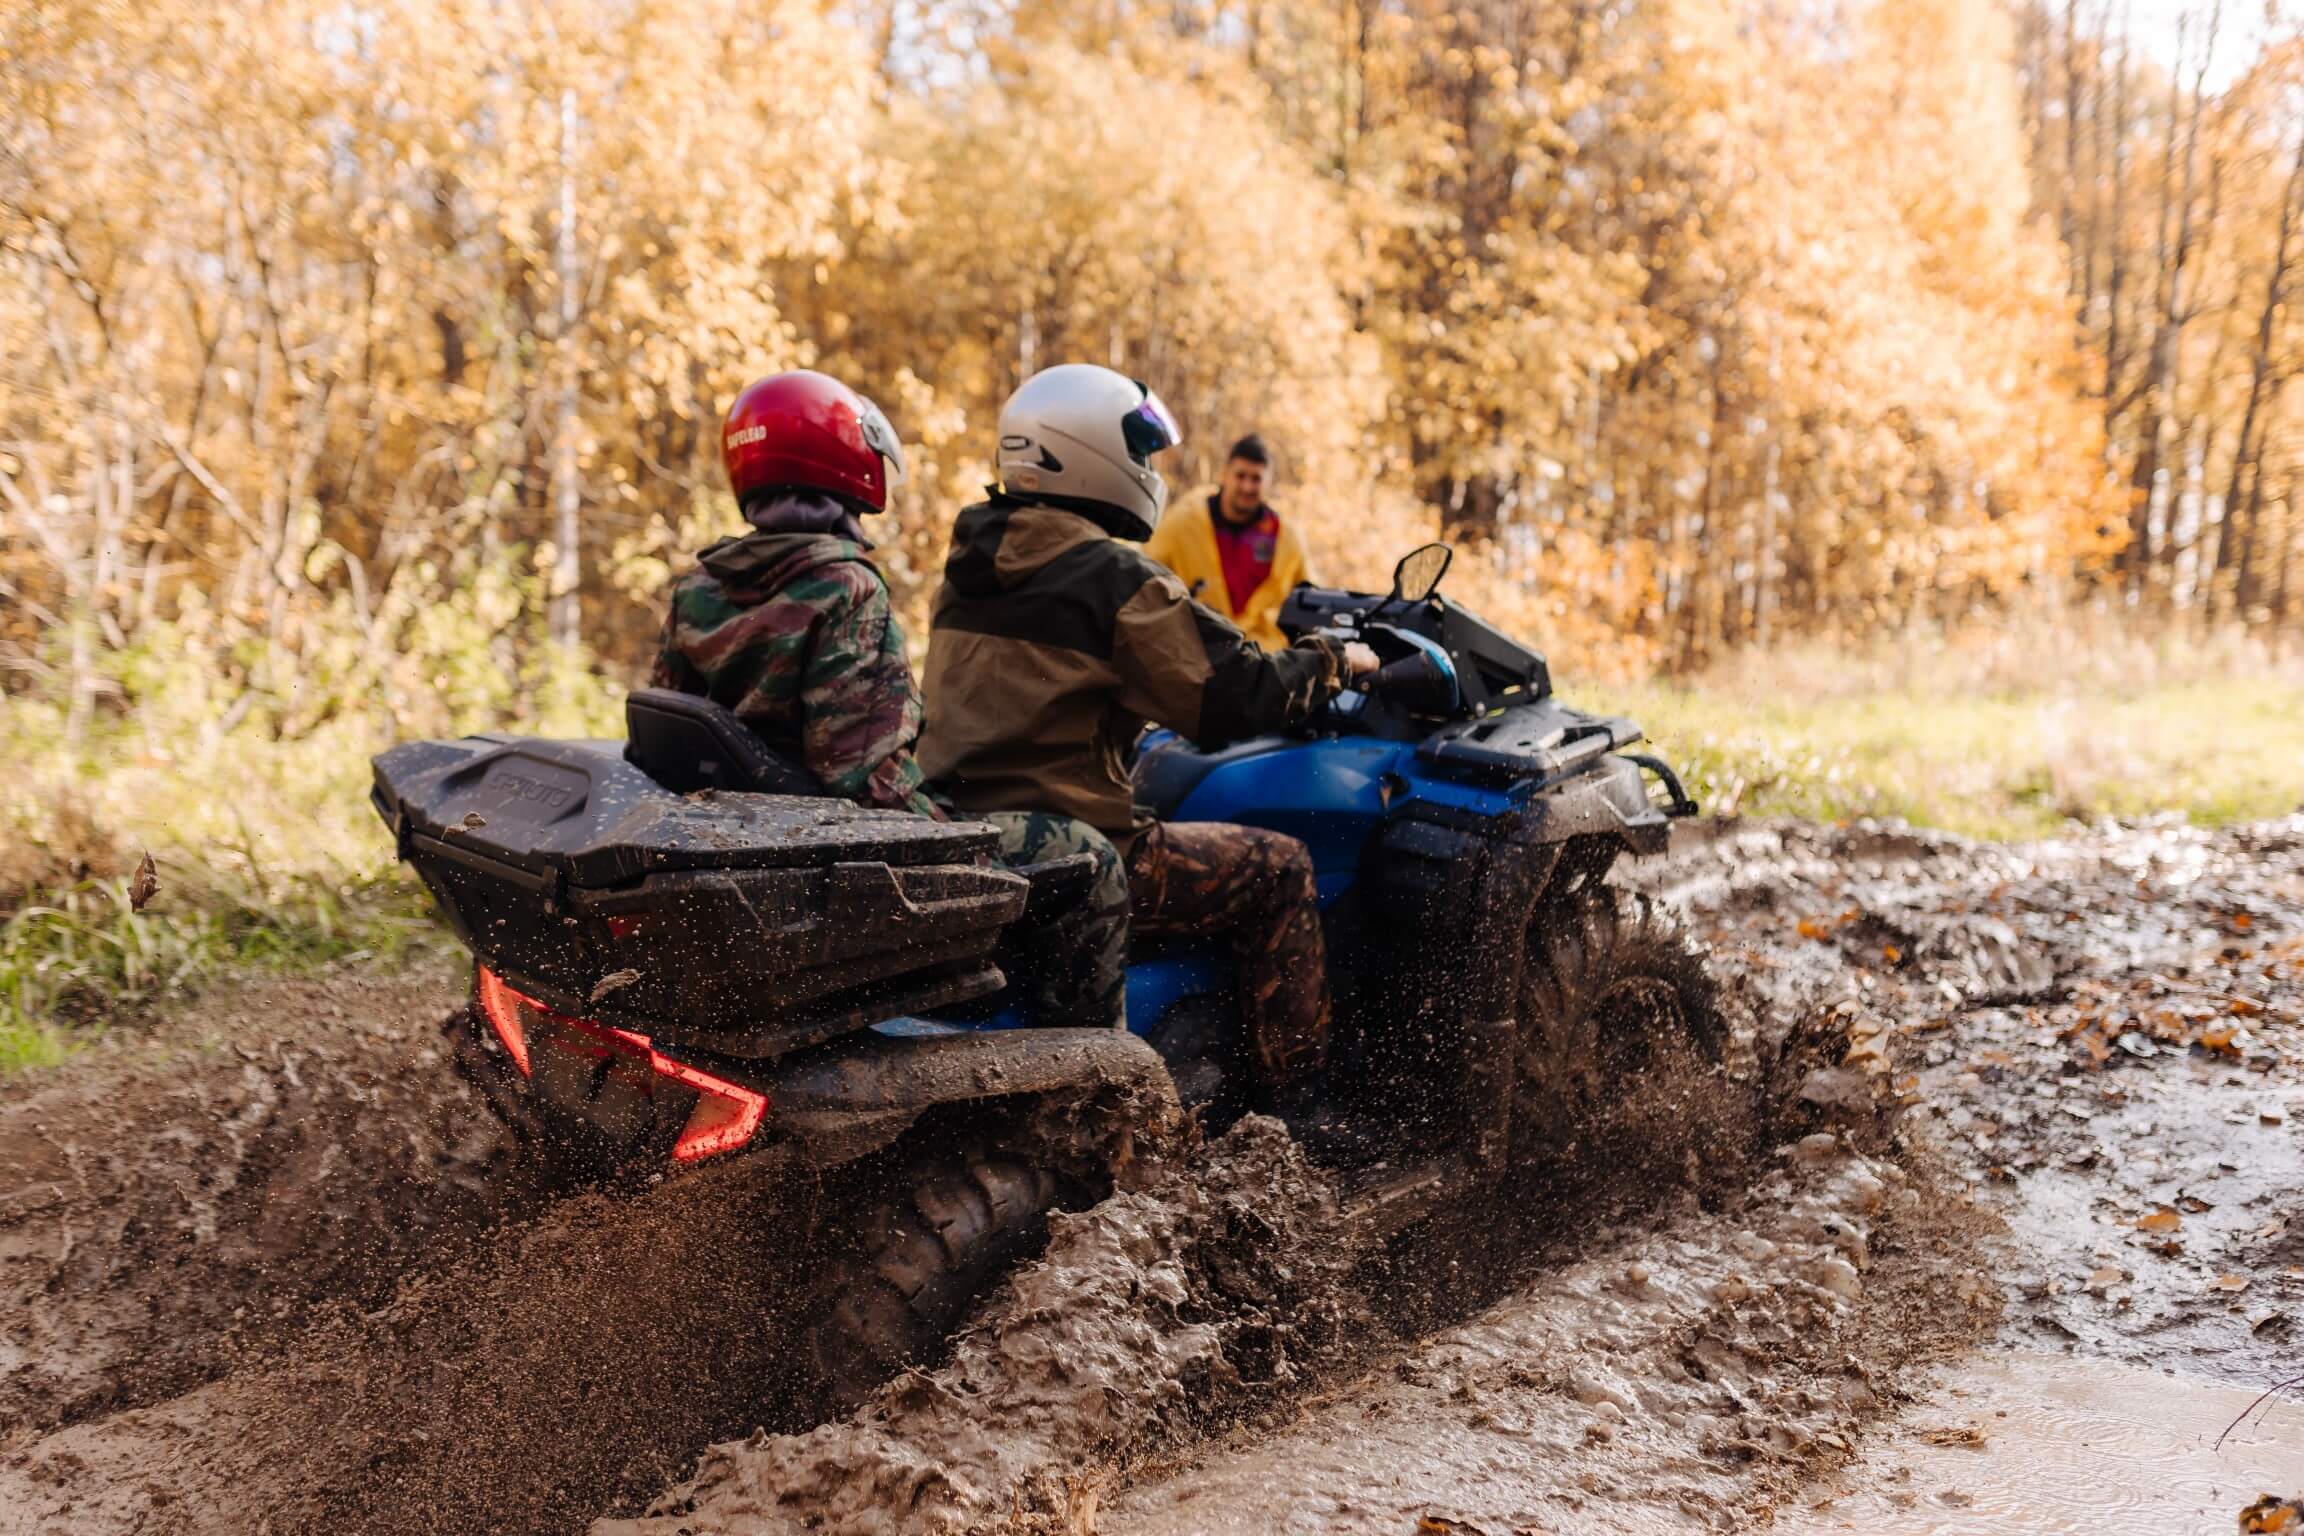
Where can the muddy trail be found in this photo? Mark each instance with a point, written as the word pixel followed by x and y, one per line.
pixel 264 1272
pixel 177 1206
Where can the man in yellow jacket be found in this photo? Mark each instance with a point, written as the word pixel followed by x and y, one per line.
pixel 1231 549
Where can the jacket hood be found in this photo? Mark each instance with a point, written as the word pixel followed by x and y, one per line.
pixel 767 562
pixel 998 544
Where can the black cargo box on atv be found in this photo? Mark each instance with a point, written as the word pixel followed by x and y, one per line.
pixel 743 923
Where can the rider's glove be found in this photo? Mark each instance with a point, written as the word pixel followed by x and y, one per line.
pixel 1330 647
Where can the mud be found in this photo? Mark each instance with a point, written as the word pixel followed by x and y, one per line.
pixel 563 1366
pixel 174 1206
pixel 2129 1101
pixel 2037 1443
pixel 284 1292
pixel 1669 1381
pixel 1151 1317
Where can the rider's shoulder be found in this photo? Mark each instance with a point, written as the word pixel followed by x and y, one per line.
pixel 1123 554
pixel 1135 577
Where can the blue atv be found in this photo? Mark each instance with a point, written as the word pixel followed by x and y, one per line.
pixel 685 955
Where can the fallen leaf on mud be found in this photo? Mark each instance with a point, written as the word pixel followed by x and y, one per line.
pixel 1891 953
pixel 144 884
pixel 2102 1280
pixel 1441 1525
pixel 2164 1219
pixel 2193 1205
pixel 2272 1515
pixel 2231 1282
pixel 2274 1323
pixel 2242 922
pixel 1968 1435
pixel 1811 929
pixel 612 982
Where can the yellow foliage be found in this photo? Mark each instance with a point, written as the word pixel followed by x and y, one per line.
pixel 325 335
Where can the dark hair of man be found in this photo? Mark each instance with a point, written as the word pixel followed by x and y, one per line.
pixel 1252 449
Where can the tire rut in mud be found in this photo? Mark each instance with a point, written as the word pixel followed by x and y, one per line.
pixel 177 1204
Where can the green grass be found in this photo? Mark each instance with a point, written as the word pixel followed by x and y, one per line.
pixel 2011 763
pixel 270 860
pixel 72 959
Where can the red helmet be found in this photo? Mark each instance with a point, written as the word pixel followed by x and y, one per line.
pixel 802 430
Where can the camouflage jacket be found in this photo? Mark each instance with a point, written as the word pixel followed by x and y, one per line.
pixel 794 632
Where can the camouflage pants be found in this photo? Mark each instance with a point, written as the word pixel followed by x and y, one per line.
pixel 1075 970
pixel 1254 887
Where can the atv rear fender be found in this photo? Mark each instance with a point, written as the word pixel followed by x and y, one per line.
pixel 1105 1090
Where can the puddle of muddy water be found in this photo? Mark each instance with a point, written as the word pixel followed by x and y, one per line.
pixel 2034 1445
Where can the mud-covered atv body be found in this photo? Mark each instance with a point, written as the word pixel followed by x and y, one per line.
pixel 675 966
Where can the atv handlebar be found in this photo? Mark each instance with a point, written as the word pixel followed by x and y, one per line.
pixel 1422 682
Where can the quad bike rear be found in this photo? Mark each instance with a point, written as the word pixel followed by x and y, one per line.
pixel 687 958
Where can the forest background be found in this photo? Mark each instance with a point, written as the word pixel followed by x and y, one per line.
pixel 1888 403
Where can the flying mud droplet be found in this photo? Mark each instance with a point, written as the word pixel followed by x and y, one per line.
pixel 614 981
pixel 144 884
pixel 473 820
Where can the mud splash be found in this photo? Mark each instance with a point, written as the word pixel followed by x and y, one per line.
pixel 1221 1295
pixel 173 1208
pixel 563 1366
pixel 1669 1380
pixel 1150 1317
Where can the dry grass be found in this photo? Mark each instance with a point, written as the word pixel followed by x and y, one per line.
pixel 2011 732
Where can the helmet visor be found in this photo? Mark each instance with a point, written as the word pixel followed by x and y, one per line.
pixel 1149 428
pixel 881 439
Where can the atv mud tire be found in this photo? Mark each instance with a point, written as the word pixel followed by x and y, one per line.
pixel 551 1156
pixel 1621 1035
pixel 946 1230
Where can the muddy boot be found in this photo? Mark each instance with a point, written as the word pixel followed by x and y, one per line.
pixel 1329 1135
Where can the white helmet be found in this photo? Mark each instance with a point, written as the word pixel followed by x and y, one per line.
pixel 1082 437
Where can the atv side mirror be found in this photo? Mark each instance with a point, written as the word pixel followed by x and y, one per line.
pixel 1418 574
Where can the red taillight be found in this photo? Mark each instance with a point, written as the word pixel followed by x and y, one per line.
pixel 727 1115
pixel 502 1006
